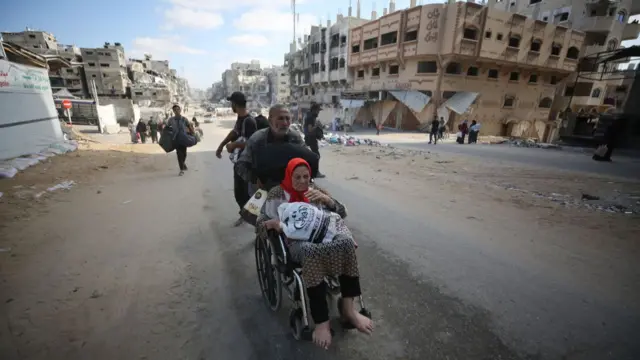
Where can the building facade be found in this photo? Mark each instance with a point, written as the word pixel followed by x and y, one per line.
pixel 279 87
pixel 318 65
pixel 107 68
pixel 251 80
pixel 461 61
pixel 606 25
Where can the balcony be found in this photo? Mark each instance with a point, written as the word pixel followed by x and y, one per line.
pixel 631 31
pixel 600 24
pixel 594 49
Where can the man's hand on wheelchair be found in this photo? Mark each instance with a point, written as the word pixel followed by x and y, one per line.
pixel 273 224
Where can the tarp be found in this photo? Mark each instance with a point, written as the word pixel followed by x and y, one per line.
pixel 64 94
pixel 414 100
pixel 460 101
pixel 348 104
pixel 29 121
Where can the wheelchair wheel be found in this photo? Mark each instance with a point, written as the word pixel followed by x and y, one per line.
pixel 268 276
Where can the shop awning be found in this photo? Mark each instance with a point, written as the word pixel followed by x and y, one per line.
pixel 460 101
pixel 350 104
pixel 414 100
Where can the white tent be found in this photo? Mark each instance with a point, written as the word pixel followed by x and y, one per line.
pixel 29 119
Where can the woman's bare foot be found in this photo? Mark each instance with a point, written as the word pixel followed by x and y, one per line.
pixel 322 335
pixel 359 321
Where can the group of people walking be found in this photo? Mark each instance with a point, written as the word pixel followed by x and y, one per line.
pixel 465 129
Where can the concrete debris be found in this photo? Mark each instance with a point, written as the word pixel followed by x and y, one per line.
pixel 347 140
pixel 531 143
pixel 65 185
pixel 590 202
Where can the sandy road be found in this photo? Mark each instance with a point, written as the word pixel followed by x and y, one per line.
pixel 137 263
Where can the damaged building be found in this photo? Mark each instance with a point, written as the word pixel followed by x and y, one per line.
pixel 460 61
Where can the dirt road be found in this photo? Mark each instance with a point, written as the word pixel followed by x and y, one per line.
pixel 135 262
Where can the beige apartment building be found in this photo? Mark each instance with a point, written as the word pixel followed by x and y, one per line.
pixel 461 61
pixel 107 67
pixel 606 25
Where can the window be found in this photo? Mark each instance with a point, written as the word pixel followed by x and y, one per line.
pixel 355 49
pixel 89 53
pixel 371 43
pixel 545 103
pixel 531 2
pixel 533 78
pixel 472 71
pixel 509 101
pixel 411 35
pixel 94 75
pixel 470 33
pixel 493 74
pixel 499 37
pixel 564 17
pixel 514 41
pixel 545 18
pixel 573 53
pixel 333 64
pixel 375 72
pixel 555 49
pixel 612 44
pixel 514 76
pixel 389 38
pixel 105 75
pixel 91 64
pixel 448 94
pixel 31 36
pixel 343 39
pixel 360 74
pixel 453 68
pixel 536 45
pixel 595 93
pixel 69 71
pixel 104 65
pixel 568 91
pixel 139 93
pixel 394 69
pixel 487 34
pixel 427 67
pixel 342 63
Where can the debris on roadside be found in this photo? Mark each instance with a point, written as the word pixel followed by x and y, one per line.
pixel 348 140
pixel 65 185
pixel 530 143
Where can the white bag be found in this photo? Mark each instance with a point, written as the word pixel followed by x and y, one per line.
pixel 303 221
pixel 459 134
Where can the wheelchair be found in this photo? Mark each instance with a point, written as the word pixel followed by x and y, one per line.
pixel 277 271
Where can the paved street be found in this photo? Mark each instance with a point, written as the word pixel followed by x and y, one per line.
pixel 143 264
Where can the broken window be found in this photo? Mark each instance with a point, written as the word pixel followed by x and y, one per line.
pixel 470 33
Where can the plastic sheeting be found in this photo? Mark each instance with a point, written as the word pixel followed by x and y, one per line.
pixel 29 119
pixel 414 100
pixel 460 102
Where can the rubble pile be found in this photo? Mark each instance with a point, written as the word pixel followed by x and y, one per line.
pixel 9 168
pixel 348 140
pixel 530 143
pixel 612 205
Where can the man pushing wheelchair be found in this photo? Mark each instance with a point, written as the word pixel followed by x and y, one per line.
pixel 276 160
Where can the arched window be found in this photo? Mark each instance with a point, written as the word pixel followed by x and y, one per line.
pixel 509 101
pixel 536 44
pixel 556 49
pixel 470 33
pixel 622 16
pixel 342 62
pixel 514 41
pixel 612 44
pixel 596 93
pixel 573 53
pixel 545 103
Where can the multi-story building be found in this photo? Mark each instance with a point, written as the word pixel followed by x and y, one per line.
pixel 279 89
pixel 107 67
pixel 318 71
pixel 461 61
pixel 250 79
pixel 44 43
pixel 606 24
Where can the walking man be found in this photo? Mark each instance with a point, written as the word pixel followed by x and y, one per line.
pixel 153 129
pixel 141 129
pixel 180 123
pixel 235 142
pixel 310 131
pixel 433 134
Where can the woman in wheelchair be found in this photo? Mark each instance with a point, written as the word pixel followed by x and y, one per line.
pixel 335 258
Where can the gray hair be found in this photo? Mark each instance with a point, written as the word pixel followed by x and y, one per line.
pixel 275 108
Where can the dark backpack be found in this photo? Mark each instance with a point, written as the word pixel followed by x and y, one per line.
pixel 261 122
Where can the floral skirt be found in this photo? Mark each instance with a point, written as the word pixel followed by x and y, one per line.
pixel 320 260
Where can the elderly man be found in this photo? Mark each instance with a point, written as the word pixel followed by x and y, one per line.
pixel 278 133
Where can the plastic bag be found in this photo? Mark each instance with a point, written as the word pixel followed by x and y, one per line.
pixel 252 208
pixel 601 150
pixel 303 221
